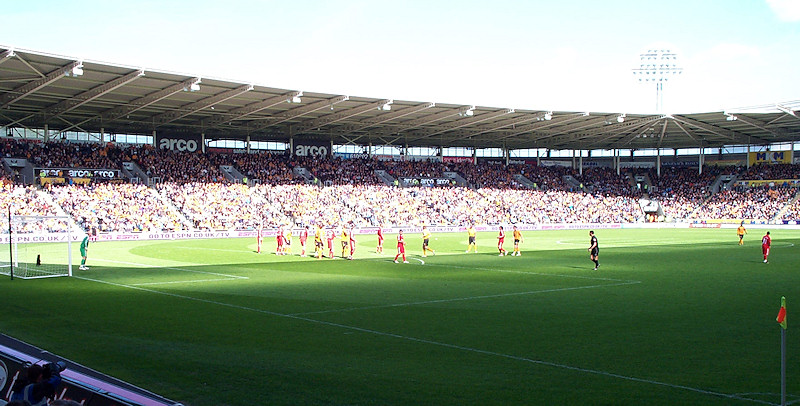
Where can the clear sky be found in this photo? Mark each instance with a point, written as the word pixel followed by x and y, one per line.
pixel 540 55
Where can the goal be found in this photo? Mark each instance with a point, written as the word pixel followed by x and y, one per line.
pixel 37 247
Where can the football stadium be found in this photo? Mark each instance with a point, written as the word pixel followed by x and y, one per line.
pixel 175 239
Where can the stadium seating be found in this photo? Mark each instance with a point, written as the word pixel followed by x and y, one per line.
pixel 190 191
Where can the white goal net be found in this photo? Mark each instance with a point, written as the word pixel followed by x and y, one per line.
pixel 37 247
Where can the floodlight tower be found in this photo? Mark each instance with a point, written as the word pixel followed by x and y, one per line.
pixel 657 66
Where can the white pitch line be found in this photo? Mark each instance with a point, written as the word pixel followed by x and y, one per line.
pixel 171 268
pixel 443 345
pixel 458 299
pixel 191 281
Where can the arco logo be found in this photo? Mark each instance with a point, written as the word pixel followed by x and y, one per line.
pixel 180 145
pixel 310 150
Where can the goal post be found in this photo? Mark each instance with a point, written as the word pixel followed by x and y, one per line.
pixel 38 247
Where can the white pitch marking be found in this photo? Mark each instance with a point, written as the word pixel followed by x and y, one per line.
pixel 421 261
pixel 441 344
pixel 171 282
pixel 171 268
pixel 458 299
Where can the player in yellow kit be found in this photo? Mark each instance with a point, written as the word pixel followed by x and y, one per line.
pixel 471 239
pixel 517 240
pixel 345 241
pixel 318 245
pixel 741 231
pixel 426 238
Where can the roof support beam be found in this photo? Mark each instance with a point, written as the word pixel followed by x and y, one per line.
pixel 296 112
pixel 242 112
pixel 31 87
pixel 6 55
pixel 512 122
pixel 688 134
pixel 192 108
pixel 142 102
pixel 85 97
pixel 777 132
pixel 542 125
pixel 385 118
pixel 435 117
pixel 463 123
pixel 730 134
pixel 788 111
pixel 343 115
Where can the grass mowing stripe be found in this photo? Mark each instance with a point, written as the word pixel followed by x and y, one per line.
pixel 441 344
pixel 531 292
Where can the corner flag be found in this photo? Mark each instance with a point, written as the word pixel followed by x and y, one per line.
pixel 781 319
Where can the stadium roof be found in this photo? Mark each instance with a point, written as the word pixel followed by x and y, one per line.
pixel 68 94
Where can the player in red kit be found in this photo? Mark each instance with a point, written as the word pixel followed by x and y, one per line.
pixel 379 249
pixel 401 247
pixel 352 241
pixel 766 241
pixel 279 240
pixel 501 239
pixel 259 238
pixel 331 237
pixel 303 238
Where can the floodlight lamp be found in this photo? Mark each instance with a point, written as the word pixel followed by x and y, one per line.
pixel 195 87
pixel 621 118
pixel 548 116
pixel 730 117
pixel 386 106
pixel 78 70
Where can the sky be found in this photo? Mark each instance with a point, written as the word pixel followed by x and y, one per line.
pixel 536 55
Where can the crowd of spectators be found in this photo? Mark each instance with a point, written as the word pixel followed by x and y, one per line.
pixel 62 154
pixel 117 207
pixel 193 193
pixel 772 172
pixel 27 201
pixel 754 203
pixel 681 190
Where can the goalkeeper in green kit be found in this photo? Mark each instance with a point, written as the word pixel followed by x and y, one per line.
pixel 84 249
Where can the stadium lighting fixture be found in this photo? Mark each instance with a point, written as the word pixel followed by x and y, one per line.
pixel 548 116
pixel 76 71
pixel 730 117
pixel 194 87
pixel 469 112
pixel 657 66
pixel 618 119
pixel 296 99
pixel 386 106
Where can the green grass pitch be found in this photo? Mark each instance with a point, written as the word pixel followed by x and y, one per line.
pixel 673 316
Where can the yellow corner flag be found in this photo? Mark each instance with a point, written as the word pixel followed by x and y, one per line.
pixel 781 319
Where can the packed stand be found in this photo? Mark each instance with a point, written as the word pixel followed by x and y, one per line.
pixel 61 154
pixel 28 201
pixel 117 208
pixel 681 190
pixel 221 206
pixel 753 203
